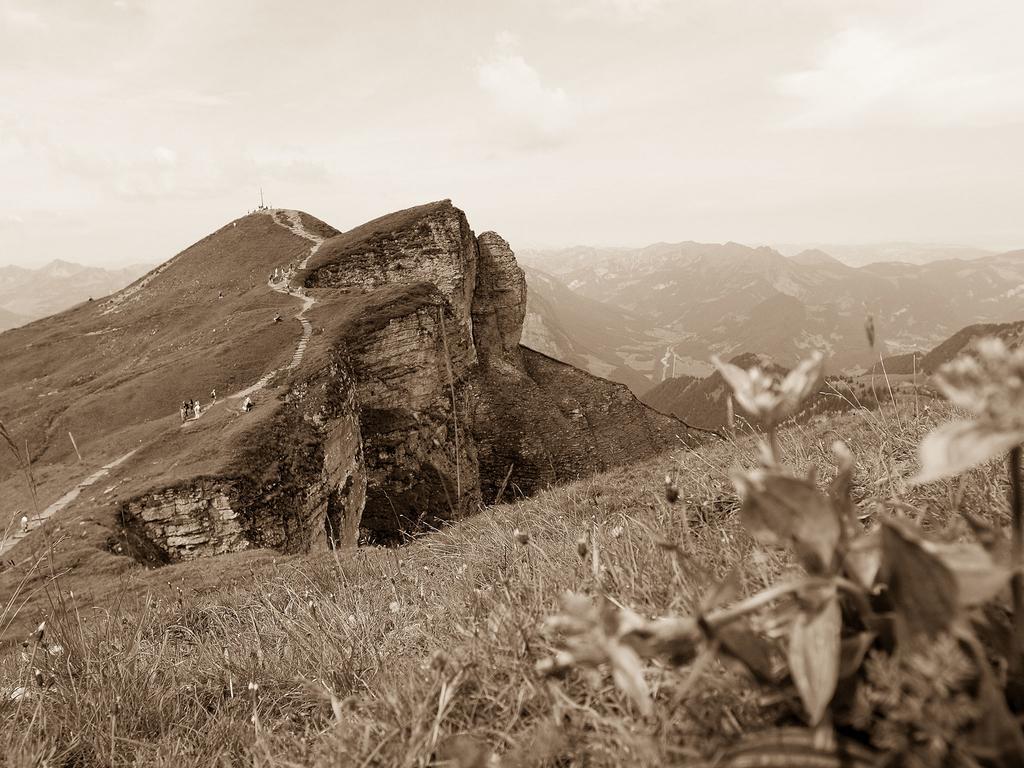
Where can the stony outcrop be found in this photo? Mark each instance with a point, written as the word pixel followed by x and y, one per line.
pixel 499 301
pixel 413 379
pixel 297 483
pixel 426 244
pixel 184 523
pixel 420 406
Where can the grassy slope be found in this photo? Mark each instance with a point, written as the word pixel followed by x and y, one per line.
pixel 376 658
pixel 115 380
pixel 369 235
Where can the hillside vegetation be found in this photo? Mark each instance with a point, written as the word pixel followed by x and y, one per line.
pixel 429 652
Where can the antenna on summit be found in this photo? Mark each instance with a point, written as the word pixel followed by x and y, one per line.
pixel 262 206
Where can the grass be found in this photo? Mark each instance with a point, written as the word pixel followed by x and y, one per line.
pixel 393 657
pixel 370 236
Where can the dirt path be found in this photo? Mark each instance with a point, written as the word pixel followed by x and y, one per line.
pixel 291 221
pixel 36 520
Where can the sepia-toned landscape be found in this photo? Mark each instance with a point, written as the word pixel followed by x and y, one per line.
pixel 368 403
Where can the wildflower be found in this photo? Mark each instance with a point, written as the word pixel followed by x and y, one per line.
pixel 21 692
pixel 394 606
pixel 616 531
pixel 990 385
pixel 24 523
pixel 595 634
pixel 40 632
pixel 351 619
pixel 440 661
pixel 765 397
pixel 522 538
pixel 671 489
pixel 582 547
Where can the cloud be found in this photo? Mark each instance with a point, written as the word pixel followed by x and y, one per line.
pixel 24 20
pixel 534 113
pixel 165 156
pixel 942 70
pixel 619 10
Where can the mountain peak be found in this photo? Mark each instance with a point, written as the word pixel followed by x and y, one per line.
pixel 341 363
pixel 816 257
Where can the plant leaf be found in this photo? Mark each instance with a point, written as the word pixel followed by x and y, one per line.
pixel 742 644
pixel 979 578
pixel 628 673
pixel 864 558
pixel 952 448
pixel 922 589
pixel 996 736
pixel 677 638
pixel 741 383
pixel 780 509
pixel 800 383
pixel 839 490
pixel 853 649
pixel 814 652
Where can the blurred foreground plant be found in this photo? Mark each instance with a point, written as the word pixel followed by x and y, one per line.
pixel 856 634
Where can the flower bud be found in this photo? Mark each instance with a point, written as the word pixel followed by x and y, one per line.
pixel 671 490
pixel 582 547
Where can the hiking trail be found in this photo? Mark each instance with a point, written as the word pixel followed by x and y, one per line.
pixel 290 220
pixel 37 520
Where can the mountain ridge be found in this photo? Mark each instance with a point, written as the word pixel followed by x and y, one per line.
pixel 397 397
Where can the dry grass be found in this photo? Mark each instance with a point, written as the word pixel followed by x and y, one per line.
pixel 380 657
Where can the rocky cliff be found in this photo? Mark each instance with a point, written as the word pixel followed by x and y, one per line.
pixel 416 405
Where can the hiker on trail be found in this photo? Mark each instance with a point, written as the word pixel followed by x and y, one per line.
pixel 277 318
pixel 213 395
pixel 247 404
pixel 184 411
pixel 199 409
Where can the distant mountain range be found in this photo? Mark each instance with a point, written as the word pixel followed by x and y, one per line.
pixel 687 301
pixel 29 294
pixel 701 402
pixel 602 339
pixel 874 253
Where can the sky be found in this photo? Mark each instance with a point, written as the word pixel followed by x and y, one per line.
pixel 131 128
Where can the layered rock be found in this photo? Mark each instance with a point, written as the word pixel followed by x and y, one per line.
pixel 297 483
pixel 427 244
pixel 413 378
pixel 189 522
pixel 499 301
pixel 419 406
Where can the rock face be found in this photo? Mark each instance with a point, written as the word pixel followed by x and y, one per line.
pixel 185 523
pixel 298 485
pixel 413 380
pixel 499 302
pixel 420 406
